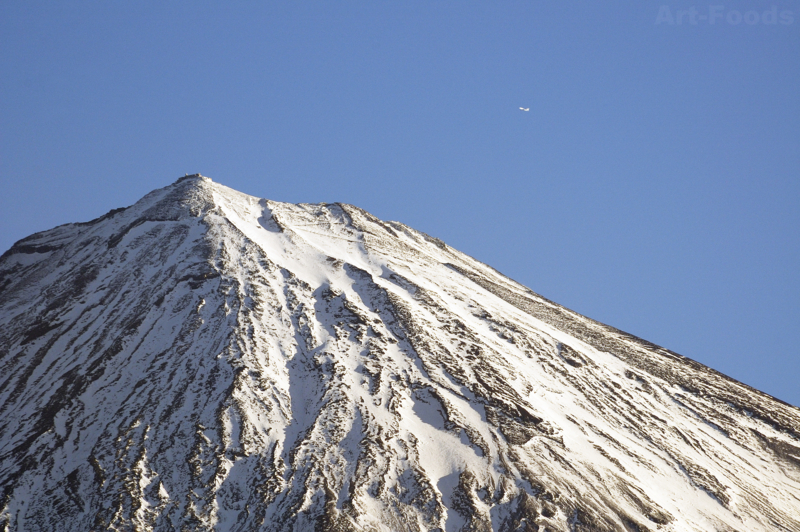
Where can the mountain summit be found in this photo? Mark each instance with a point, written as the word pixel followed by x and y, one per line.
pixel 207 360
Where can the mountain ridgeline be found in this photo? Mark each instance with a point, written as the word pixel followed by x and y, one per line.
pixel 207 360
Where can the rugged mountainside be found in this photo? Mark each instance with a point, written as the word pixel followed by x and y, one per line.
pixel 207 360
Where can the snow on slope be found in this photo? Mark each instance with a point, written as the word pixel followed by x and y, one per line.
pixel 207 360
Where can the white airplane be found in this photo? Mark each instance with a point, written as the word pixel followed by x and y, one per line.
pixel 525 109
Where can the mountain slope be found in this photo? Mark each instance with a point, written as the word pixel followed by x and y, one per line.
pixel 207 360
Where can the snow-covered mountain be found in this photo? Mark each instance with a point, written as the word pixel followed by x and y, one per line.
pixel 207 360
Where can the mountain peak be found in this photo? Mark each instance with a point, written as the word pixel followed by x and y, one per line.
pixel 208 360
pixel 193 181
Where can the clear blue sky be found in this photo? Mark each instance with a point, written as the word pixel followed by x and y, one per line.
pixel 654 184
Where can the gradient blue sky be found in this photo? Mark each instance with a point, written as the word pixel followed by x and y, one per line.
pixel 654 185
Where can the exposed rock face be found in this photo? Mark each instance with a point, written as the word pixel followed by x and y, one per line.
pixel 206 360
